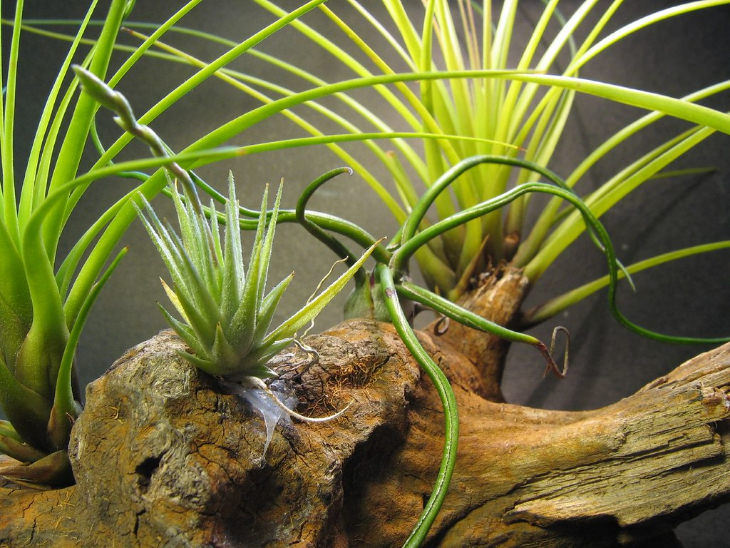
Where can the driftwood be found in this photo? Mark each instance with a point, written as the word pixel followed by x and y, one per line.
pixel 163 455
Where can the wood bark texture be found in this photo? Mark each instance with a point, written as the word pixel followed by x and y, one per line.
pixel 164 455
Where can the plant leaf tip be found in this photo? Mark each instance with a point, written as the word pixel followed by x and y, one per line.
pixel 95 86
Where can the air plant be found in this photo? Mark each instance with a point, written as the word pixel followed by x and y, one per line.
pixel 464 42
pixel 41 312
pixel 521 111
pixel 45 299
pixel 469 93
pixel 226 312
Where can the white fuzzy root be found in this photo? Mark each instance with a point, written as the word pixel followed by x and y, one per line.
pixel 258 383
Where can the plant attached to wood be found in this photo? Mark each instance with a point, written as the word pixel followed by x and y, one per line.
pixel 488 133
pixel 383 292
pixel 225 309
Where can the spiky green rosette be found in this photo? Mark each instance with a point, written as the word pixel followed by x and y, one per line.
pixel 226 313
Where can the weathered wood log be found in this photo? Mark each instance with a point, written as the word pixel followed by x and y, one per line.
pixel 163 455
pixel 532 477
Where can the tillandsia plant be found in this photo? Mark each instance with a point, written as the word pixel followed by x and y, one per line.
pixel 225 309
pixel 387 288
pixel 481 102
pixel 461 42
pixel 43 309
pixel 384 292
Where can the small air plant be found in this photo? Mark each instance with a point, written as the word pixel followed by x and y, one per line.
pixel 226 312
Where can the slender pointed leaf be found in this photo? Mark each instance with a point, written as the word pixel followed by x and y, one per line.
pixel 268 308
pixel 308 312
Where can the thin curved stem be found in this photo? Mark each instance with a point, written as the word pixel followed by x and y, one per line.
pixel 470 319
pixel 459 313
pixel 401 256
pixel 409 247
pixel 125 118
pixel 448 400
pixel 327 239
pixel 420 209
pixel 452 174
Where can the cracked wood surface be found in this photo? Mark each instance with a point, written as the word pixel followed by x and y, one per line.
pixel 163 456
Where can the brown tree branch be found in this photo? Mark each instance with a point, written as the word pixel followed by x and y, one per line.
pixel 162 454
pixel 497 298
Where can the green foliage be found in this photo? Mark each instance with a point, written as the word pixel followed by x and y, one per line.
pixel 462 54
pixel 225 309
pixel 472 111
pixel 39 323
pixel 471 100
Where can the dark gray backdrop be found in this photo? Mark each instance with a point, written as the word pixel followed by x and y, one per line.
pixel 691 297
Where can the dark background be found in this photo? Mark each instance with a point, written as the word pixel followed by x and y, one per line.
pixel 689 297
